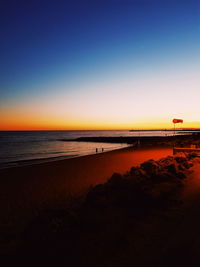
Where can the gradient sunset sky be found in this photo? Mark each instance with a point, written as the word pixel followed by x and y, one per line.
pixel 114 64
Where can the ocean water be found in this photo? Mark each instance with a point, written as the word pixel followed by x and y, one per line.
pixel 28 147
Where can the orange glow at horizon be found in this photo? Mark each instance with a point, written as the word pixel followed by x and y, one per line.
pixel 59 116
pixel 41 122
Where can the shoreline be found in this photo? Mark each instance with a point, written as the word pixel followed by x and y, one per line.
pixel 30 162
pixel 141 141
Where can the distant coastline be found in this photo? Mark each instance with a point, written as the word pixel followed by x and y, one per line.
pixel 166 130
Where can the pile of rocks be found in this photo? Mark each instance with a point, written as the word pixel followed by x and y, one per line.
pixel 103 221
pixel 141 186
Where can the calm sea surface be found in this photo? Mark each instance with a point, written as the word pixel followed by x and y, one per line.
pixel 27 147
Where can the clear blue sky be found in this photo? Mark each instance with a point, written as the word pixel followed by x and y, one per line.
pixel 55 54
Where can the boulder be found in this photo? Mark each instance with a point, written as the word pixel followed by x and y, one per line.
pixel 180 159
pixel 192 155
pixel 172 168
pixel 151 167
pixel 138 174
pixel 116 178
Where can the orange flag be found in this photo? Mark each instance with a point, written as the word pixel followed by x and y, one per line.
pixel 177 121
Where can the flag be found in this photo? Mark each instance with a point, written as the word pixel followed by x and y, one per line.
pixel 177 121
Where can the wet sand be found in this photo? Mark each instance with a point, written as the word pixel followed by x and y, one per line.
pixel 26 190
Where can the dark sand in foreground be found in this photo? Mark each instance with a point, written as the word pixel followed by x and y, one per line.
pixel 26 190
pixel 167 236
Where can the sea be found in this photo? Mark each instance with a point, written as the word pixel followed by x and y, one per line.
pixel 30 147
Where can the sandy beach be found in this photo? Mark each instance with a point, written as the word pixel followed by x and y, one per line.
pixel 144 215
pixel 26 190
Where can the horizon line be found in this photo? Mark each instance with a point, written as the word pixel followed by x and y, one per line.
pixel 138 129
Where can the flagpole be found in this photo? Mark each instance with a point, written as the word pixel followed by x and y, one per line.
pixel 174 129
pixel 174 122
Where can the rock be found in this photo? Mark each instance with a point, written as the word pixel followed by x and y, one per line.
pixel 116 178
pixel 181 175
pixel 172 168
pixel 181 168
pixel 192 155
pixel 180 159
pixel 166 161
pixel 137 174
pixel 186 165
pixel 150 167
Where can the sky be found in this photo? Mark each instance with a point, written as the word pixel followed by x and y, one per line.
pixel 114 64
